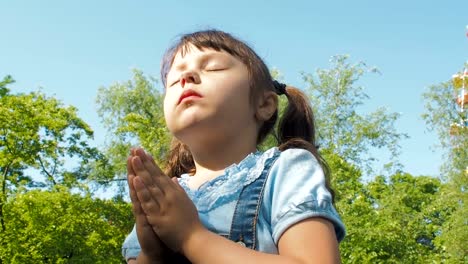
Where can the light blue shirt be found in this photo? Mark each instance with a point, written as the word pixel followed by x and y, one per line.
pixel 294 191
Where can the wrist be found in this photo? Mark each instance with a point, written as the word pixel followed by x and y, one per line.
pixel 144 258
pixel 194 240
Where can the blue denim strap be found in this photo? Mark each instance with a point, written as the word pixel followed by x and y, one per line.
pixel 244 222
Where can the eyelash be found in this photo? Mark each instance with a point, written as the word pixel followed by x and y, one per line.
pixel 174 83
pixel 208 70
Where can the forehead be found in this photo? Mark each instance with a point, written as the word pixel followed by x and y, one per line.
pixel 191 52
pixel 187 50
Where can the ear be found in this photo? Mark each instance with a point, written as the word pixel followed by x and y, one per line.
pixel 266 105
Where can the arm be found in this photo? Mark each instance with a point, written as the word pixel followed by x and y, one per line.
pixel 310 241
pixel 144 259
pixel 174 219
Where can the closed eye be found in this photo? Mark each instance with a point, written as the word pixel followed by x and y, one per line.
pixel 174 83
pixel 215 65
pixel 215 69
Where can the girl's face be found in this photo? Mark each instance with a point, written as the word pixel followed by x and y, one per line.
pixel 207 96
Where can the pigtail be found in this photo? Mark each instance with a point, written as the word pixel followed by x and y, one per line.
pixel 179 160
pixel 297 129
pixel 297 120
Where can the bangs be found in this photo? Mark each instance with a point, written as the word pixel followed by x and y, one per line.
pixel 211 39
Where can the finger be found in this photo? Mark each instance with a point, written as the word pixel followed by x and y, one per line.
pixel 143 227
pixel 130 170
pixel 151 165
pixel 141 221
pixel 177 184
pixel 136 205
pixel 153 189
pixel 130 177
pixel 157 176
pixel 140 170
pixel 132 151
pixel 129 165
pixel 161 179
pixel 149 203
pixel 151 158
pixel 148 161
pixel 137 209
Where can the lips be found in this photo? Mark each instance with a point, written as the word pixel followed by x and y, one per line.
pixel 188 93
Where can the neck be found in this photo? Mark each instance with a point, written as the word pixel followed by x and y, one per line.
pixel 211 159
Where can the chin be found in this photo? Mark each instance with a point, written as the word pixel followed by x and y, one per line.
pixel 197 134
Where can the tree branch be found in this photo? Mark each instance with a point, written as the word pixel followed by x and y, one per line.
pixel 3 198
pixel 49 176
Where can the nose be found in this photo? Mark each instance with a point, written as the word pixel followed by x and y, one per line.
pixel 189 77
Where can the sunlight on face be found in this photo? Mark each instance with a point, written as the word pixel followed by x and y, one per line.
pixel 220 85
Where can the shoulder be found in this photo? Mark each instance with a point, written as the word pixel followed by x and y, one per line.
pixel 296 176
pixel 294 157
pixel 296 190
pixel 297 169
pixel 298 158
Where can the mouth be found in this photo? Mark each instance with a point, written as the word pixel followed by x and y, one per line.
pixel 188 95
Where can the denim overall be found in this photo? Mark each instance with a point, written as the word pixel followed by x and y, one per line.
pixel 244 222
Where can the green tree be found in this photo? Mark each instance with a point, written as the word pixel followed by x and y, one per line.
pixel 3 85
pixel 132 112
pixel 353 205
pixel 335 96
pixel 443 116
pixel 407 220
pixel 375 217
pixel 389 219
pixel 60 227
pixel 44 157
pixel 383 226
pixel 39 133
pixel 446 118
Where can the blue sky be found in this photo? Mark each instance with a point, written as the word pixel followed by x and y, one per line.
pixel 71 48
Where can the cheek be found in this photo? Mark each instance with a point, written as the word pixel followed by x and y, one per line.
pixel 242 94
pixel 167 109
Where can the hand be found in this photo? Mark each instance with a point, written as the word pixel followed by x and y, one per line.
pixel 152 248
pixel 168 209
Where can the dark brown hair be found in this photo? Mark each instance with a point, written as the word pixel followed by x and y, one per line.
pixel 296 127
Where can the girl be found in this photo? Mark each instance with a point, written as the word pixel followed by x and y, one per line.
pixel 224 201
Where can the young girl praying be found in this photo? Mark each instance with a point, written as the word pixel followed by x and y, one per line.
pixel 221 200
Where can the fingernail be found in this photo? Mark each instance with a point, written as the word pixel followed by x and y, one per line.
pixel 137 162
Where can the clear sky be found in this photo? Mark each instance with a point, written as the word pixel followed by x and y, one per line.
pixel 71 48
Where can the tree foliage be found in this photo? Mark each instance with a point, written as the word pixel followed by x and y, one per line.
pixel 336 96
pixel 60 227
pixel 397 218
pixel 447 119
pixel 40 134
pixel 45 156
pixel 389 219
pixel 132 112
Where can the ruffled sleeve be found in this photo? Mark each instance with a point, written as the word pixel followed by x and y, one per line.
pixel 296 191
pixel 131 246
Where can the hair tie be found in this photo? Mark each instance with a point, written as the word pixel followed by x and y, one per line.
pixel 280 88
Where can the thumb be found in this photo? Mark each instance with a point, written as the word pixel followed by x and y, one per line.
pixel 176 181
